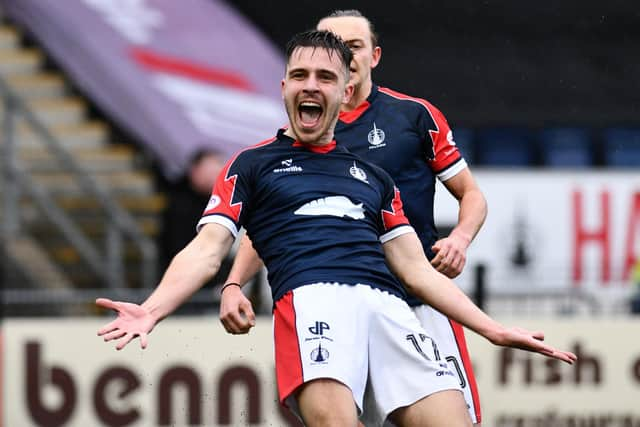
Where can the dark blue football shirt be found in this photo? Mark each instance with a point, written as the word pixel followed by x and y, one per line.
pixel 313 214
pixel 410 139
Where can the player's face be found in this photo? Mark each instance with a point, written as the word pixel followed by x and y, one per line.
pixel 314 88
pixel 354 31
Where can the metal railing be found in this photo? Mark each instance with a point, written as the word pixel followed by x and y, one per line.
pixel 107 263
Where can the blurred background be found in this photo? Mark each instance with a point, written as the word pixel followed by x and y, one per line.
pixel 116 117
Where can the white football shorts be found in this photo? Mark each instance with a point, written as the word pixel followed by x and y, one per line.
pixel 353 334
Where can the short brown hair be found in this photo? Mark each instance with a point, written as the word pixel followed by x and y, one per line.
pixel 355 13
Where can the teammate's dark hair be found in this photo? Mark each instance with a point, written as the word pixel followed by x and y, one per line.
pixel 355 13
pixel 321 39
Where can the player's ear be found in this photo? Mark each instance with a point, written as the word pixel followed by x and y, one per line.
pixel 282 88
pixel 375 57
pixel 348 92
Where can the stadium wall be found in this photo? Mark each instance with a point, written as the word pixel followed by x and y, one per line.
pixel 58 372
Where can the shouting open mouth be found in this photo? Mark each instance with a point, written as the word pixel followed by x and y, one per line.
pixel 310 114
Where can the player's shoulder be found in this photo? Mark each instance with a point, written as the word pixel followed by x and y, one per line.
pixel 393 96
pixel 253 154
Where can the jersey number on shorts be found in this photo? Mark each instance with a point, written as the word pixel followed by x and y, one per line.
pixel 413 340
pixel 452 361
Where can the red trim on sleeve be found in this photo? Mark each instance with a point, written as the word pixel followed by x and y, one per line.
pixel 395 216
pixel 221 201
pixel 287 350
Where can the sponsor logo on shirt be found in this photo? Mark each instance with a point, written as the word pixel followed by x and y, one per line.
pixel 339 206
pixel 288 167
pixel 376 137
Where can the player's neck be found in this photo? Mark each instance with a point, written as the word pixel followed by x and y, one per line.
pixel 360 94
pixel 323 140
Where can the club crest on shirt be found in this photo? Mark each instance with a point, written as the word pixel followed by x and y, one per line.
pixel 376 137
pixel 358 173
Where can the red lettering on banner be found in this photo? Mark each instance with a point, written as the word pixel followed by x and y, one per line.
pixel 598 236
pixel 633 230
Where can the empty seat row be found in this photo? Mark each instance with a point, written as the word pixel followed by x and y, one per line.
pixel 574 147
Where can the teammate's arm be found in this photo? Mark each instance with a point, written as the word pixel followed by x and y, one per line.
pixel 236 312
pixel 450 252
pixel 189 270
pixel 406 258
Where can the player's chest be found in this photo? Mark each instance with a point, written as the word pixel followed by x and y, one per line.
pixel 389 142
pixel 296 178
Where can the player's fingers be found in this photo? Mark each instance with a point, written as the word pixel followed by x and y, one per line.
pixel 144 339
pixel 111 326
pixel 539 335
pixel 124 341
pixel 564 356
pixel 247 309
pixel 107 303
pixel 114 335
pixel 232 323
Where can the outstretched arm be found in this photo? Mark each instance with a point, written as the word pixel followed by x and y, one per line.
pixel 406 258
pixel 236 313
pixel 450 252
pixel 189 270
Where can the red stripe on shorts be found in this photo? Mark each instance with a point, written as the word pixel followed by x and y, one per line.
pixel 458 333
pixel 288 361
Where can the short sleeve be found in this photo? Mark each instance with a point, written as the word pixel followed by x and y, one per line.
pixel 230 196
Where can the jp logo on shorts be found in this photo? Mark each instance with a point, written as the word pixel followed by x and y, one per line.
pixel 319 328
pixel 319 355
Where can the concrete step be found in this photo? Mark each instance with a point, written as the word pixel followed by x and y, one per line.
pixel 9 37
pixel 20 61
pixel 93 227
pixel 89 134
pixel 108 158
pixel 58 111
pixel 139 205
pixel 38 85
pixel 117 183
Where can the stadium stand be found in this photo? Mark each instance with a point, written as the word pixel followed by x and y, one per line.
pixel 566 147
pixel 505 147
pixel 115 166
pixel 622 147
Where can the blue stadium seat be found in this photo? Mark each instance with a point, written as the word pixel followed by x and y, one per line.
pixel 505 147
pixel 463 137
pixel 566 147
pixel 621 147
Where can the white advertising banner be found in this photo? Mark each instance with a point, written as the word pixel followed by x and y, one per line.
pixel 553 230
pixel 57 372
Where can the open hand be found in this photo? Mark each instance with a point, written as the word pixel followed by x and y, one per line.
pixel 133 321
pixel 531 341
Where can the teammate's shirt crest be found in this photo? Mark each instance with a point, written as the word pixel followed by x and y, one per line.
pixel 376 137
